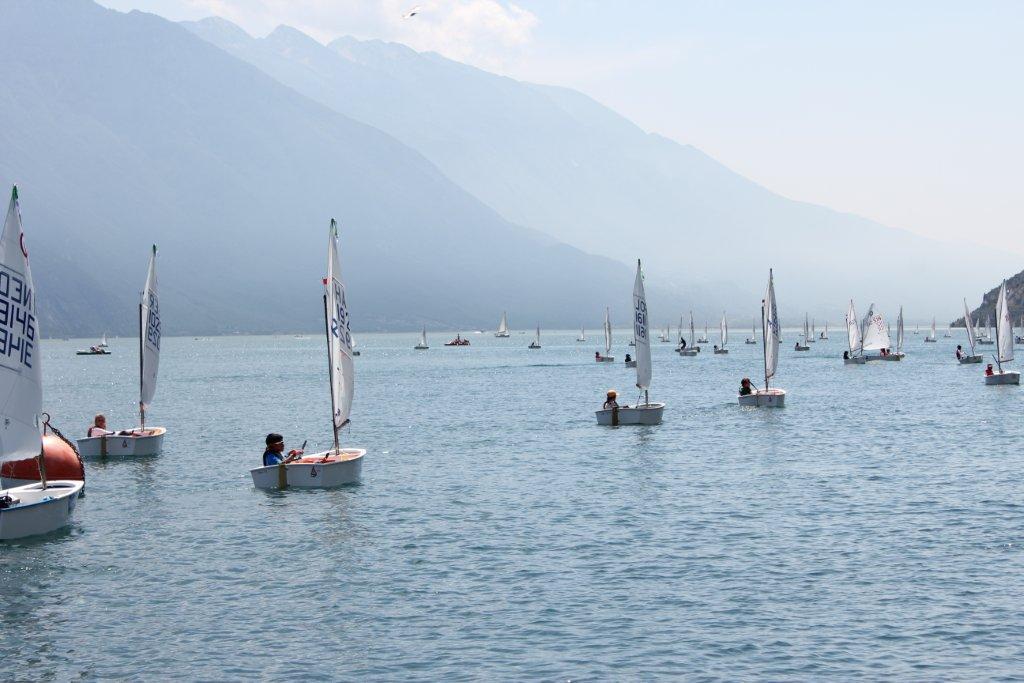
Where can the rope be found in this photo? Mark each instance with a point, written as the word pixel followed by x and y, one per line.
pixel 48 426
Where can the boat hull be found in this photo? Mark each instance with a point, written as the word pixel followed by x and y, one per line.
pixel 421 348
pixel 310 472
pixel 749 341
pixel 688 352
pixel 929 340
pixel 92 353
pixel 891 356
pixel 502 335
pixel 605 359
pixel 533 346
pixel 721 351
pixel 630 363
pixel 984 342
pixel 801 348
pixel 1004 377
pixel 149 442
pixel 40 510
pixel 761 398
pixel 856 360
pixel 643 414
pixel 968 360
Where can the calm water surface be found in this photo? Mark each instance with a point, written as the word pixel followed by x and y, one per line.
pixel 871 529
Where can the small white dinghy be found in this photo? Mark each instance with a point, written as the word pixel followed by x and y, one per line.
pixel 43 506
pixel 824 335
pixel 645 413
pixel 704 339
pixel 898 355
pixel 1004 343
pixel 422 345
pixel 583 336
pixel 753 332
pixel 503 327
pixel 535 344
pixel 607 357
pixel 931 337
pixel 336 466
pixel 854 355
pixel 141 440
pixel 986 332
pixel 692 349
pixel 806 335
pixel 875 335
pixel 768 397
pixel 811 339
pixel 723 334
pixel 973 356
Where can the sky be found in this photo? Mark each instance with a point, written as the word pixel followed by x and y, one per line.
pixel 908 113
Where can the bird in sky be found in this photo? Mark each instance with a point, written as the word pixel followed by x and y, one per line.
pixel 411 13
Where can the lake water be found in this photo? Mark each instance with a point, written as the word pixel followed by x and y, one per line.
pixel 871 529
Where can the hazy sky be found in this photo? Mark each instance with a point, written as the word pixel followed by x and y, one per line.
pixel 907 112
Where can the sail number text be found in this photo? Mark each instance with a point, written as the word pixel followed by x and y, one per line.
pixel 17 319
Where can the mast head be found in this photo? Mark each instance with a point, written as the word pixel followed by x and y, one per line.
pixel 14 192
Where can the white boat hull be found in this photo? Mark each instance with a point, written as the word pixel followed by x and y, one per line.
pixel 141 443
pixel 421 348
pixel 761 398
pixel 930 340
pixel 39 511
pixel 720 351
pixel 984 342
pixel 643 414
pixel 502 335
pixel 533 346
pixel 688 352
pixel 311 473
pixel 1004 377
pixel 967 360
pixel 605 359
pixel 891 356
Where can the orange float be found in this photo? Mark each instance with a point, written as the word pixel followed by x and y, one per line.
pixel 61 463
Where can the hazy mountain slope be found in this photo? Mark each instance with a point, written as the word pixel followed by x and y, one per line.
pixel 986 312
pixel 555 160
pixel 126 129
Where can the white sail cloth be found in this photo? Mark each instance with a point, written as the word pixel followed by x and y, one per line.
pixel 150 332
pixel 339 335
pixel 1004 327
pixel 607 331
pixel 899 332
pixel 503 325
pixel 770 321
pixel 969 326
pixel 853 330
pixel 641 332
pixel 875 334
pixel 723 331
pixel 21 387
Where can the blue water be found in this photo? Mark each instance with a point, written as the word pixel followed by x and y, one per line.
pixel 871 529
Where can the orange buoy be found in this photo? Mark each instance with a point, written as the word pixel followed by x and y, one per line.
pixel 61 463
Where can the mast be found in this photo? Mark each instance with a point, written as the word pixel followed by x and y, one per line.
pixel 142 406
pixel 330 367
pixel 764 337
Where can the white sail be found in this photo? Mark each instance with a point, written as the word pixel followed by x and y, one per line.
pixel 103 342
pixel 641 332
pixel 149 339
pixel 607 331
pixel 21 386
pixel 853 330
pixel 723 331
pixel 339 337
pixel 692 337
pixel 807 328
pixel 1004 328
pixel 969 326
pixel 770 323
pixel 933 328
pixel 875 334
pixel 423 336
pixel 537 339
pixel 503 325
pixel 899 332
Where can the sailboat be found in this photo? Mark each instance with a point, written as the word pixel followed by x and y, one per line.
pixel 103 342
pixel 607 357
pixel 645 413
pixel 854 355
pixel 973 356
pixel 948 333
pixel 583 335
pixel 704 338
pixel 94 350
pixel 46 505
pixel 138 441
pixel 503 326
pixel 1004 343
pixel 875 335
pixel 985 336
pixel 898 354
pixel 811 339
pixel 355 351
pixel 691 350
pixel 723 334
pixel 535 344
pixel 931 337
pixel 422 345
pixel 338 465
pixel 768 397
pixel 753 331
pixel 806 336
pixel 824 335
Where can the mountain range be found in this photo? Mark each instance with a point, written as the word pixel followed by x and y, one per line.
pixel 460 193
